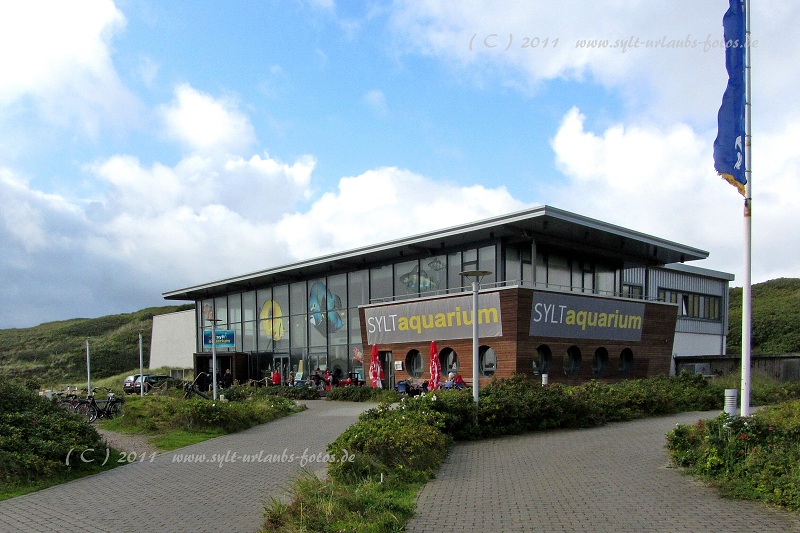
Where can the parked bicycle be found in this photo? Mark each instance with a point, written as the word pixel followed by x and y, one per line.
pixel 67 399
pixel 112 407
pixel 192 388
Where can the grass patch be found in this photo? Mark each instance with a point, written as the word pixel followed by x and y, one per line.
pixel 316 505
pixel 172 440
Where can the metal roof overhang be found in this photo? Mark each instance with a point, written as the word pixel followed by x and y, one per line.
pixel 546 225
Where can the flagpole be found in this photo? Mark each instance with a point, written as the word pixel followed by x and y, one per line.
pixel 748 205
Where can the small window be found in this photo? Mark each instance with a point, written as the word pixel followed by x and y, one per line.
pixel 542 360
pixel 626 362
pixel 488 361
pixel 414 365
pixel 572 362
pixel 449 360
pixel 600 363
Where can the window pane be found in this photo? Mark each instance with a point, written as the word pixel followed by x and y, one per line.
pixel 407 278
pixel 513 266
pixel 380 283
pixel 337 309
pixel 249 305
pixel 358 288
pixel 435 270
pixel 454 281
pixel 558 272
pixel 317 313
pixel 488 261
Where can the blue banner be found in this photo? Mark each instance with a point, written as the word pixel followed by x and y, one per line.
pixel 729 144
pixel 225 339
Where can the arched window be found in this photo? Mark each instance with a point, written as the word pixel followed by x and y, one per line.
pixel 600 363
pixel 414 364
pixel 488 361
pixel 626 362
pixel 542 360
pixel 572 361
pixel 449 360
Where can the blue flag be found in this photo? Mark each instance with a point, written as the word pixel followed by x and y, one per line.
pixel 729 144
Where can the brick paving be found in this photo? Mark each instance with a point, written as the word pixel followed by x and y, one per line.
pixel 615 478
pixel 165 495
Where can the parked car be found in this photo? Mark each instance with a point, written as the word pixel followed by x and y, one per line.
pixel 127 385
pixel 155 380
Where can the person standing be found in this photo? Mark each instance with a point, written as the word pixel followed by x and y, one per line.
pixel 276 377
pixel 227 379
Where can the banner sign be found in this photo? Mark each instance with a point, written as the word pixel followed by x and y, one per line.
pixel 433 320
pixel 225 339
pixel 579 317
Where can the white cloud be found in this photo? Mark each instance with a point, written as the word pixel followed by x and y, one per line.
pixel 203 123
pixel 662 182
pixel 57 62
pixel 494 42
pixel 384 204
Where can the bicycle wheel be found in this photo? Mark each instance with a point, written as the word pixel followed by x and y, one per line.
pixel 91 413
pixel 115 410
pixel 82 408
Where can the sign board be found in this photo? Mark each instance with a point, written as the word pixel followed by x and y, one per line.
pixel 433 320
pixel 579 317
pixel 225 339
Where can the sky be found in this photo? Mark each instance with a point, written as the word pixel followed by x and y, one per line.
pixel 148 146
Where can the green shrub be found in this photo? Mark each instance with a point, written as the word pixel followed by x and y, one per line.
pixel 153 414
pixel 754 457
pixel 362 394
pixel 403 444
pixel 37 437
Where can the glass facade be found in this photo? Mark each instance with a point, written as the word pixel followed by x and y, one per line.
pixel 305 325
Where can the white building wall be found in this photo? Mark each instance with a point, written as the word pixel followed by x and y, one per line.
pixel 698 344
pixel 173 340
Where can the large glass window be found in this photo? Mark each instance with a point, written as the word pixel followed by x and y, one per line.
pixel 317 313
pixel 606 280
pixel 380 282
pixel 298 320
pixel 487 260
pixel 298 301
pixel 454 281
pixel 407 278
pixel 357 294
pixel 235 309
pixel 513 266
pixel 337 309
pixel 435 273
pixel 249 305
pixel 558 273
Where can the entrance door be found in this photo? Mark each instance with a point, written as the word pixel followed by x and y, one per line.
pixel 387 363
pixel 282 363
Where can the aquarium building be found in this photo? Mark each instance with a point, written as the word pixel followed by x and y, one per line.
pixel 562 294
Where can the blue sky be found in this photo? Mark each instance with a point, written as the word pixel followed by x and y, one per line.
pixel 147 146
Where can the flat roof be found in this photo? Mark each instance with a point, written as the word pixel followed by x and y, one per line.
pixel 546 225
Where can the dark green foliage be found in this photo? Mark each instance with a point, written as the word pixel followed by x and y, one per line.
pixel 153 414
pixel 37 437
pixel 752 458
pixel 402 444
pixel 56 351
pixel 243 392
pixel 776 321
pixel 362 394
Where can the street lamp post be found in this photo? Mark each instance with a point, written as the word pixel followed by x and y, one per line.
pixel 214 355
pixel 475 277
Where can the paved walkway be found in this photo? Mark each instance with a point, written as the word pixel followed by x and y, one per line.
pixel 614 478
pixel 165 495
